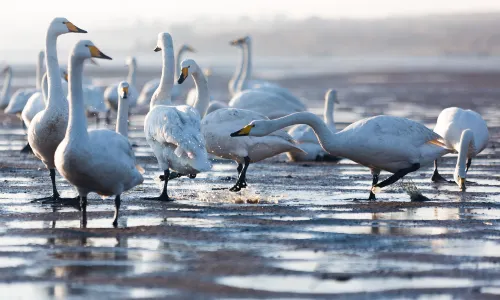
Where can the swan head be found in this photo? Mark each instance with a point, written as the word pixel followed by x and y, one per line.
pixel 123 89
pixel 130 61
pixel 60 26
pixel 331 95
pixel 188 48
pixel 85 49
pixel 240 41
pixel 187 65
pixel 6 70
pixel 255 128
pixel 164 41
pixel 64 74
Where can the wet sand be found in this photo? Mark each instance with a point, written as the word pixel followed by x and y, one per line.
pixel 300 230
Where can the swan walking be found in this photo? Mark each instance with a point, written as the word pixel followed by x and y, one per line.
pixel 100 161
pixel 173 132
pixel 393 144
pixel 305 137
pixel 48 127
pixel 466 132
pixel 111 94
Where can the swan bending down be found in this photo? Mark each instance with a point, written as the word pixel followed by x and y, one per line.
pixel 5 93
pixel 393 144
pixel 21 96
pixel 150 87
pixel 100 161
pixel 48 127
pixel 173 132
pixel 466 132
pixel 305 137
pixel 111 94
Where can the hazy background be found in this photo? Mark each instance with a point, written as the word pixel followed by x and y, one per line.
pixel 316 32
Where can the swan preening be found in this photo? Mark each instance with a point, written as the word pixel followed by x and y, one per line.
pixel 100 161
pixel 394 144
pixel 173 132
pixel 466 132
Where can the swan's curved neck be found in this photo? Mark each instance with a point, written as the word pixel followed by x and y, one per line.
pixel 203 99
pixel 466 140
pixel 122 122
pixel 39 71
pixel 162 95
pixel 178 60
pixel 132 70
pixel 77 123
pixel 56 98
pixel 4 94
pixel 45 88
pixel 332 143
pixel 329 111
pixel 235 80
pixel 247 71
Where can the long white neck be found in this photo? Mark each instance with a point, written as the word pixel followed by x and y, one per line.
pixel 122 122
pixel 235 80
pixel 330 142
pixel 56 98
pixel 162 94
pixel 178 60
pixel 328 115
pixel 4 94
pixel 466 140
pixel 77 123
pixel 39 70
pixel 203 98
pixel 247 69
pixel 45 89
pixel 132 70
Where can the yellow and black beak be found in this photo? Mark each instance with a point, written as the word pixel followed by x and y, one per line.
pixel 66 76
pixel 237 42
pixel 184 74
pixel 73 28
pixel 190 49
pixel 245 131
pixel 157 49
pixel 94 52
pixel 125 92
pixel 461 183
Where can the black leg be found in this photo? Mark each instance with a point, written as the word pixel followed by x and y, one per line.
pixel 163 196
pixel 107 120
pixel 398 175
pixel 27 149
pixel 96 120
pixel 374 182
pixel 241 183
pixel 117 209
pixel 469 162
pixel 56 198
pixel 436 177
pixel 83 209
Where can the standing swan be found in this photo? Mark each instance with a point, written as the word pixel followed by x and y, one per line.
pixel 173 132
pixel 48 127
pixel 305 137
pixel 393 144
pixel 4 94
pixel 466 132
pixel 100 161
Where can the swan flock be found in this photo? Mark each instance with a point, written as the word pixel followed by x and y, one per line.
pixel 261 120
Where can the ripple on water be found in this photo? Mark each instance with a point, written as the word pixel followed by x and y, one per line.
pixel 380 230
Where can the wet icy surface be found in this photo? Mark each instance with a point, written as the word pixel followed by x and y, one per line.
pixel 300 230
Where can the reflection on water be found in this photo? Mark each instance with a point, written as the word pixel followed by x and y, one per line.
pixel 306 284
pixel 380 229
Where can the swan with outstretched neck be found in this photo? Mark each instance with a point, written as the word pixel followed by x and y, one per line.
pixel 100 161
pixel 216 127
pixel 305 137
pixel 48 127
pixel 466 132
pixel 393 144
pixel 173 132
pixel 5 93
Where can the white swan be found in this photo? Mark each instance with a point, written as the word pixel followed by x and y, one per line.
pixel 305 137
pixel 122 118
pixel 21 96
pixel 193 93
pixel 5 93
pixel 393 144
pixel 269 104
pixel 173 132
pixel 48 127
pixel 100 161
pixel 111 94
pixel 466 132
pixel 150 87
